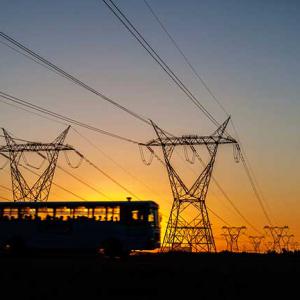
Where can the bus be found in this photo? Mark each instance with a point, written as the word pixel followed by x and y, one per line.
pixel 112 227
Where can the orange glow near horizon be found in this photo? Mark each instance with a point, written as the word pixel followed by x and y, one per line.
pixel 159 191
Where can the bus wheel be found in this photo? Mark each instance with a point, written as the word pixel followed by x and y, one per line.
pixel 112 248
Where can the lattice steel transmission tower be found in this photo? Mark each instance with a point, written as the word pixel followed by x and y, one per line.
pixel 231 235
pixel 276 233
pixel 287 239
pixel 294 245
pixel 188 226
pixel 39 191
pixel 256 242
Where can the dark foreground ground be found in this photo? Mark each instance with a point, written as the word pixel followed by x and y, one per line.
pixel 151 276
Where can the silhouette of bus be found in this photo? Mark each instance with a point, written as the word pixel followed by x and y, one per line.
pixel 114 227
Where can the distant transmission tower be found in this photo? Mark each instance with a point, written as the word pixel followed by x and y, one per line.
pixel 188 225
pixel 231 235
pixel 39 191
pixel 276 233
pixel 287 239
pixel 294 245
pixel 256 242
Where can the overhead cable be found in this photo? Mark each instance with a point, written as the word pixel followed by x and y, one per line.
pixel 154 54
pixel 62 117
pixel 210 92
pixel 215 98
pixel 106 175
pixel 70 77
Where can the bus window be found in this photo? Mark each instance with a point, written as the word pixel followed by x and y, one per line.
pixel 151 217
pixel 138 215
pixel 100 213
pixel 135 215
pixel 116 213
pixel 113 213
pixel 63 213
pixel 45 213
pixel 10 213
pixel 80 212
pixel 27 213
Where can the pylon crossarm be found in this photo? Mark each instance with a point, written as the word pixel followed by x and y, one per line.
pixel 191 140
pixel 34 147
pixel 217 137
pixel 41 188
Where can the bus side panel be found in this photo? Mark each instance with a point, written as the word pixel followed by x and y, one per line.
pixel 84 234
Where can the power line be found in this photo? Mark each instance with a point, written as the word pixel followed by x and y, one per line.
pixel 59 71
pixel 84 183
pixel 51 66
pixel 106 175
pixel 248 166
pixel 62 117
pixel 69 120
pixel 31 112
pixel 70 77
pixel 215 98
pixel 32 106
pixel 114 162
pixel 138 36
pixel 38 108
pixel 77 178
pixel 64 74
pixel 185 58
pixel 234 206
pixel 226 195
pixel 255 189
pixel 59 116
pixel 59 186
pixel 47 112
pixel 216 215
pixel 228 198
pixel 56 184
pixel 219 187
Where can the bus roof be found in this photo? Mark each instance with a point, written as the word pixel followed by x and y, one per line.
pixel 71 204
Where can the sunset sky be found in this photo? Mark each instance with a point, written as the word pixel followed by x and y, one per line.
pixel 248 53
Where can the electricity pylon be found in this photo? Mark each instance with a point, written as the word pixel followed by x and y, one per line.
pixel 276 233
pixel 294 245
pixel 188 225
pixel 286 239
pixel 256 242
pixel 39 191
pixel 231 235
